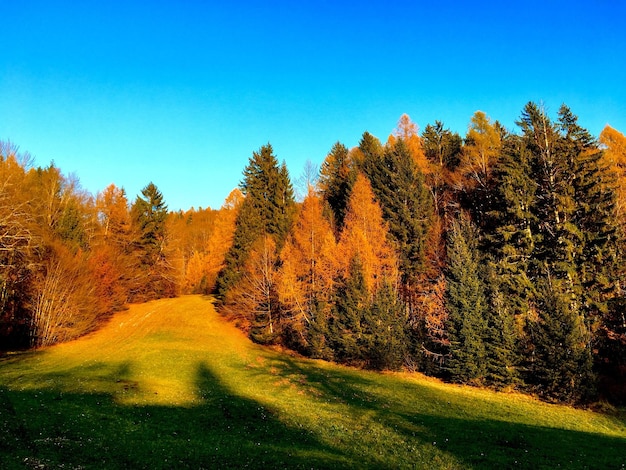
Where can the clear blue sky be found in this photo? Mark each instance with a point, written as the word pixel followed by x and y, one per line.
pixel 182 92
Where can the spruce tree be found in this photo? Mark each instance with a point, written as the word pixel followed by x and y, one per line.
pixel 466 303
pixel 385 327
pixel 155 275
pixel 561 364
pixel 408 209
pixel 267 209
pixel 337 176
pixel 346 327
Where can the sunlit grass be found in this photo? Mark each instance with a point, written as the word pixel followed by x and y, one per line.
pixel 171 384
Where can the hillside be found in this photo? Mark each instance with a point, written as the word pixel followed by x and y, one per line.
pixel 170 384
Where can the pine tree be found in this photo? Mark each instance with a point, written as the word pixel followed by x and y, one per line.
pixel 561 363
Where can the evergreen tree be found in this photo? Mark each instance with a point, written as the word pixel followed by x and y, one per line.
pixel 385 325
pixel 352 300
pixel 441 146
pixel 561 363
pixel 267 209
pixel 337 176
pixel 407 207
pixel 466 302
pixel 155 276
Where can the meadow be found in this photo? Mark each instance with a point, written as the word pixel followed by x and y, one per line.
pixel 171 384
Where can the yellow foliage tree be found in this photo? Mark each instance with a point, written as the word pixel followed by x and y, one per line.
pixel 615 156
pixel 482 146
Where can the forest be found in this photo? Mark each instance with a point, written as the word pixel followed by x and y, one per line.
pixel 495 259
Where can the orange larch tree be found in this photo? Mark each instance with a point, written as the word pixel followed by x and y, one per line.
pixel 309 267
pixel 365 236
pixel 615 156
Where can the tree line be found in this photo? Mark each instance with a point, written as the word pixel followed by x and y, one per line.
pixel 494 259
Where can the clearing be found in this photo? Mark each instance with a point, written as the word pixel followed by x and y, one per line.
pixel 171 384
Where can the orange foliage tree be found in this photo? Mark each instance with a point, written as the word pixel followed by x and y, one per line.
pixel 408 131
pixel 365 236
pixel 615 156
pixel 309 267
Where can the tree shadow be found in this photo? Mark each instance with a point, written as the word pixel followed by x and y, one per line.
pixel 52 428
pixel 473 439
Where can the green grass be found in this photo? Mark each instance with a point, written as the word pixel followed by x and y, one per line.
pixel 169 384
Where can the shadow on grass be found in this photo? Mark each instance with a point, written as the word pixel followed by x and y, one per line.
pixel 476 439
pixel 51 428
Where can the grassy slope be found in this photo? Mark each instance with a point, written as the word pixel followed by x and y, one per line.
pixel 169 384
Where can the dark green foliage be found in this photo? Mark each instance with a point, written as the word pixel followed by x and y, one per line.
pixel 501 340
pixel 560 366
pixel 268 209
pixel 337 176
pixel 155 275
pixel 466 302
pixel 319 333
pixel 385 338
pixel 441 146
pixel 347 322
pixel 550 233
pixel 407 206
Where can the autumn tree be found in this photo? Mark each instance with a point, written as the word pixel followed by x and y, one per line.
pixel 482 146
pixel 308 270
pixel 113 260
pixel 254 301
pixel 365 235
pixel 18 242
pixel 408 132
pixel 614 143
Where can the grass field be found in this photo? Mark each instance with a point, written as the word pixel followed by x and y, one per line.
pixel 170 384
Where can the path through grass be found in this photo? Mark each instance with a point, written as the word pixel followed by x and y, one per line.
pixel 170 384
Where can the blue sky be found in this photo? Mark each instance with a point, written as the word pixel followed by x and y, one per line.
pixel 182 92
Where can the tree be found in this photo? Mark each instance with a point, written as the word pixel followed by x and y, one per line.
pixel 352 300
pixel 561 365
pixel 614 143
pixel 149 214
pixel 408 209
pixel 19 242
pixel 254 301
pixel 408 132
pixel 466 303
pixel 308 269
pixel 482 146
pixel 442 149
pixel 267 209
pixel 365 235
pixel 337 176
pixel 385 325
